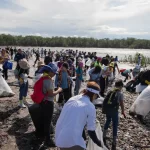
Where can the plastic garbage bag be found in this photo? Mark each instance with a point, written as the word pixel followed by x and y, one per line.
pixel 5 90
pixel 91 145
pixel 98 101
pixel 140 88
pixel 141 106
pixel 88 63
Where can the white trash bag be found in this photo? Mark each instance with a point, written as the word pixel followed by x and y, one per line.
pixel 91 145
pixel 98 101
pixel 141 106
pixel 5 90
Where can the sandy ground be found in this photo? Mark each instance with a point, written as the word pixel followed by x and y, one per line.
pixel 16 127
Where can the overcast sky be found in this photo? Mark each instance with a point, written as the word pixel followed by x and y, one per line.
pixel 84 18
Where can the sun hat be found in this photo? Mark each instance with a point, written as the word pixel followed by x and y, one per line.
pixel 23 63
pixel 50 67
pixel 40 64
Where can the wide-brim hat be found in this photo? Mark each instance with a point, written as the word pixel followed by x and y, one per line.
pixel 50 68
pixel 23 63
pixel 40 64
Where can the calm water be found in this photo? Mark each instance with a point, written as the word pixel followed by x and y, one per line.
pixel 100 51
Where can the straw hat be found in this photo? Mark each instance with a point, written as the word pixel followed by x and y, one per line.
pixel 23 63
pixel 40 64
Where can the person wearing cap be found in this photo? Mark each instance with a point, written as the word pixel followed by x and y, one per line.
pixel 79 78
pixel 47 104
pixel 113 114
pixel 77 113
pixel 23 81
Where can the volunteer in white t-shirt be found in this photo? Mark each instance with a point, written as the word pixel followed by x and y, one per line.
pixel 77 113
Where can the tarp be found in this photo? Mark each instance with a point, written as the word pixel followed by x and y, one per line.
pixel 91 145
pixel 5 90
pixel 141 106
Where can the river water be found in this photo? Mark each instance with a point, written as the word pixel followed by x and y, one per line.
pixel 120 52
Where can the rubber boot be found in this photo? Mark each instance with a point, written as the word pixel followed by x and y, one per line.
pixel 22 104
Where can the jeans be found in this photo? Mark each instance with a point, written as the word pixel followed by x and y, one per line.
pixel 114 118
pixel 47 113
pixel 77 86
pixel 23 90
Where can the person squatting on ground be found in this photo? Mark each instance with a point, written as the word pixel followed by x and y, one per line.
pixel 110 107
pixel 47 104
pixel 77 113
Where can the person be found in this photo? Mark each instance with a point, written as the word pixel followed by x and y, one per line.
pixel 79 78
pixel 47 60
pixel 110 109
pixel 37 58
pixel 20 55
pixel 139 59
pixel 23 81
pixel 4 57
pixel 11 52
pixel 60 63
pixel 47 104
pixel 95 74
pixel 126 73
pixel 77 113
pixel 64 82
pixel 98 62
pixel 39 66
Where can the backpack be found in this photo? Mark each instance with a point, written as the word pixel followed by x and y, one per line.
pixel 110 102
pixel 38 94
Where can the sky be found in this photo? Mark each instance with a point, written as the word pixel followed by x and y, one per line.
pixel 76 18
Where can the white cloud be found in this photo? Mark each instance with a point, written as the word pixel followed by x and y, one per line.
pixel 77 17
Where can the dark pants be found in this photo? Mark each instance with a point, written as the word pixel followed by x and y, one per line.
pixel 64 96
pixel 37 59
pixel 5 73
pixel 114 118
pixel 47 113
pixel 23 90
pixel 102 85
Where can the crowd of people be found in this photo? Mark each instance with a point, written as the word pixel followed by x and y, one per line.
pixel 63 73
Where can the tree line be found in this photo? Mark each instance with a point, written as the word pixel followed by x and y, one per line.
pixel 10 40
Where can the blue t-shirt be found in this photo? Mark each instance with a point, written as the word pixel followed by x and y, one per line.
pixel 126 72
pixel 80 72
pixel 64 82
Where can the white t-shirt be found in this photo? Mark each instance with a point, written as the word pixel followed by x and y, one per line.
pixel 76 113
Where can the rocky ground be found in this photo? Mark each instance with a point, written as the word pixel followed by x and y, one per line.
pixel 16 127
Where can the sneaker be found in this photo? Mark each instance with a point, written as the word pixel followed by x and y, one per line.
pixel 22 106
